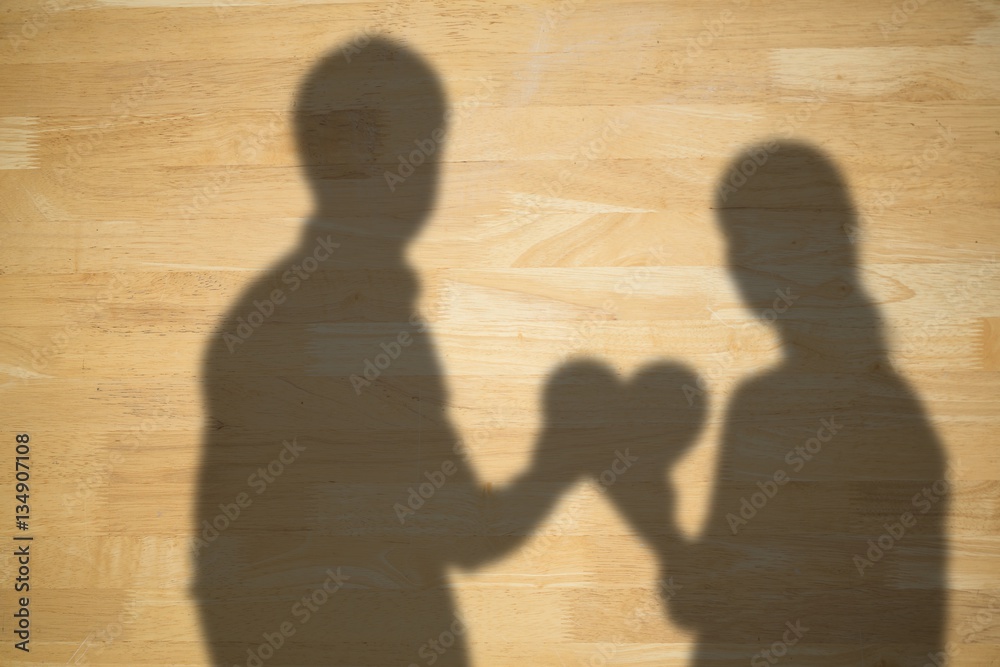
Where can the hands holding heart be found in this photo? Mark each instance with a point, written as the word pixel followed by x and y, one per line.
pixel 615 429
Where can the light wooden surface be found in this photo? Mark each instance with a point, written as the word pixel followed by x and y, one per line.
pixel 148 177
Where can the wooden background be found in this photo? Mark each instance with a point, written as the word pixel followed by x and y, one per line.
pixel 147 175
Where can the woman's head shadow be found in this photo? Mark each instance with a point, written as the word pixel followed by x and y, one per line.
pixel 792 236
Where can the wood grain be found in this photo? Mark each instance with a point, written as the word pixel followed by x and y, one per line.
pixel 150 177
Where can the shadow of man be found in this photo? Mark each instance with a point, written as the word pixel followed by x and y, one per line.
pixel 334 493
pixel 825 542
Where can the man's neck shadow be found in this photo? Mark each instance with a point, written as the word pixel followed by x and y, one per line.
pixel 825 541
pixel 334 493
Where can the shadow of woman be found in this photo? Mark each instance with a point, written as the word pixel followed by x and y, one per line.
pixel 334 493
pixel 825 542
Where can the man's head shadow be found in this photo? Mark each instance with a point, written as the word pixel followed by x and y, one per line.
pixel 369 128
